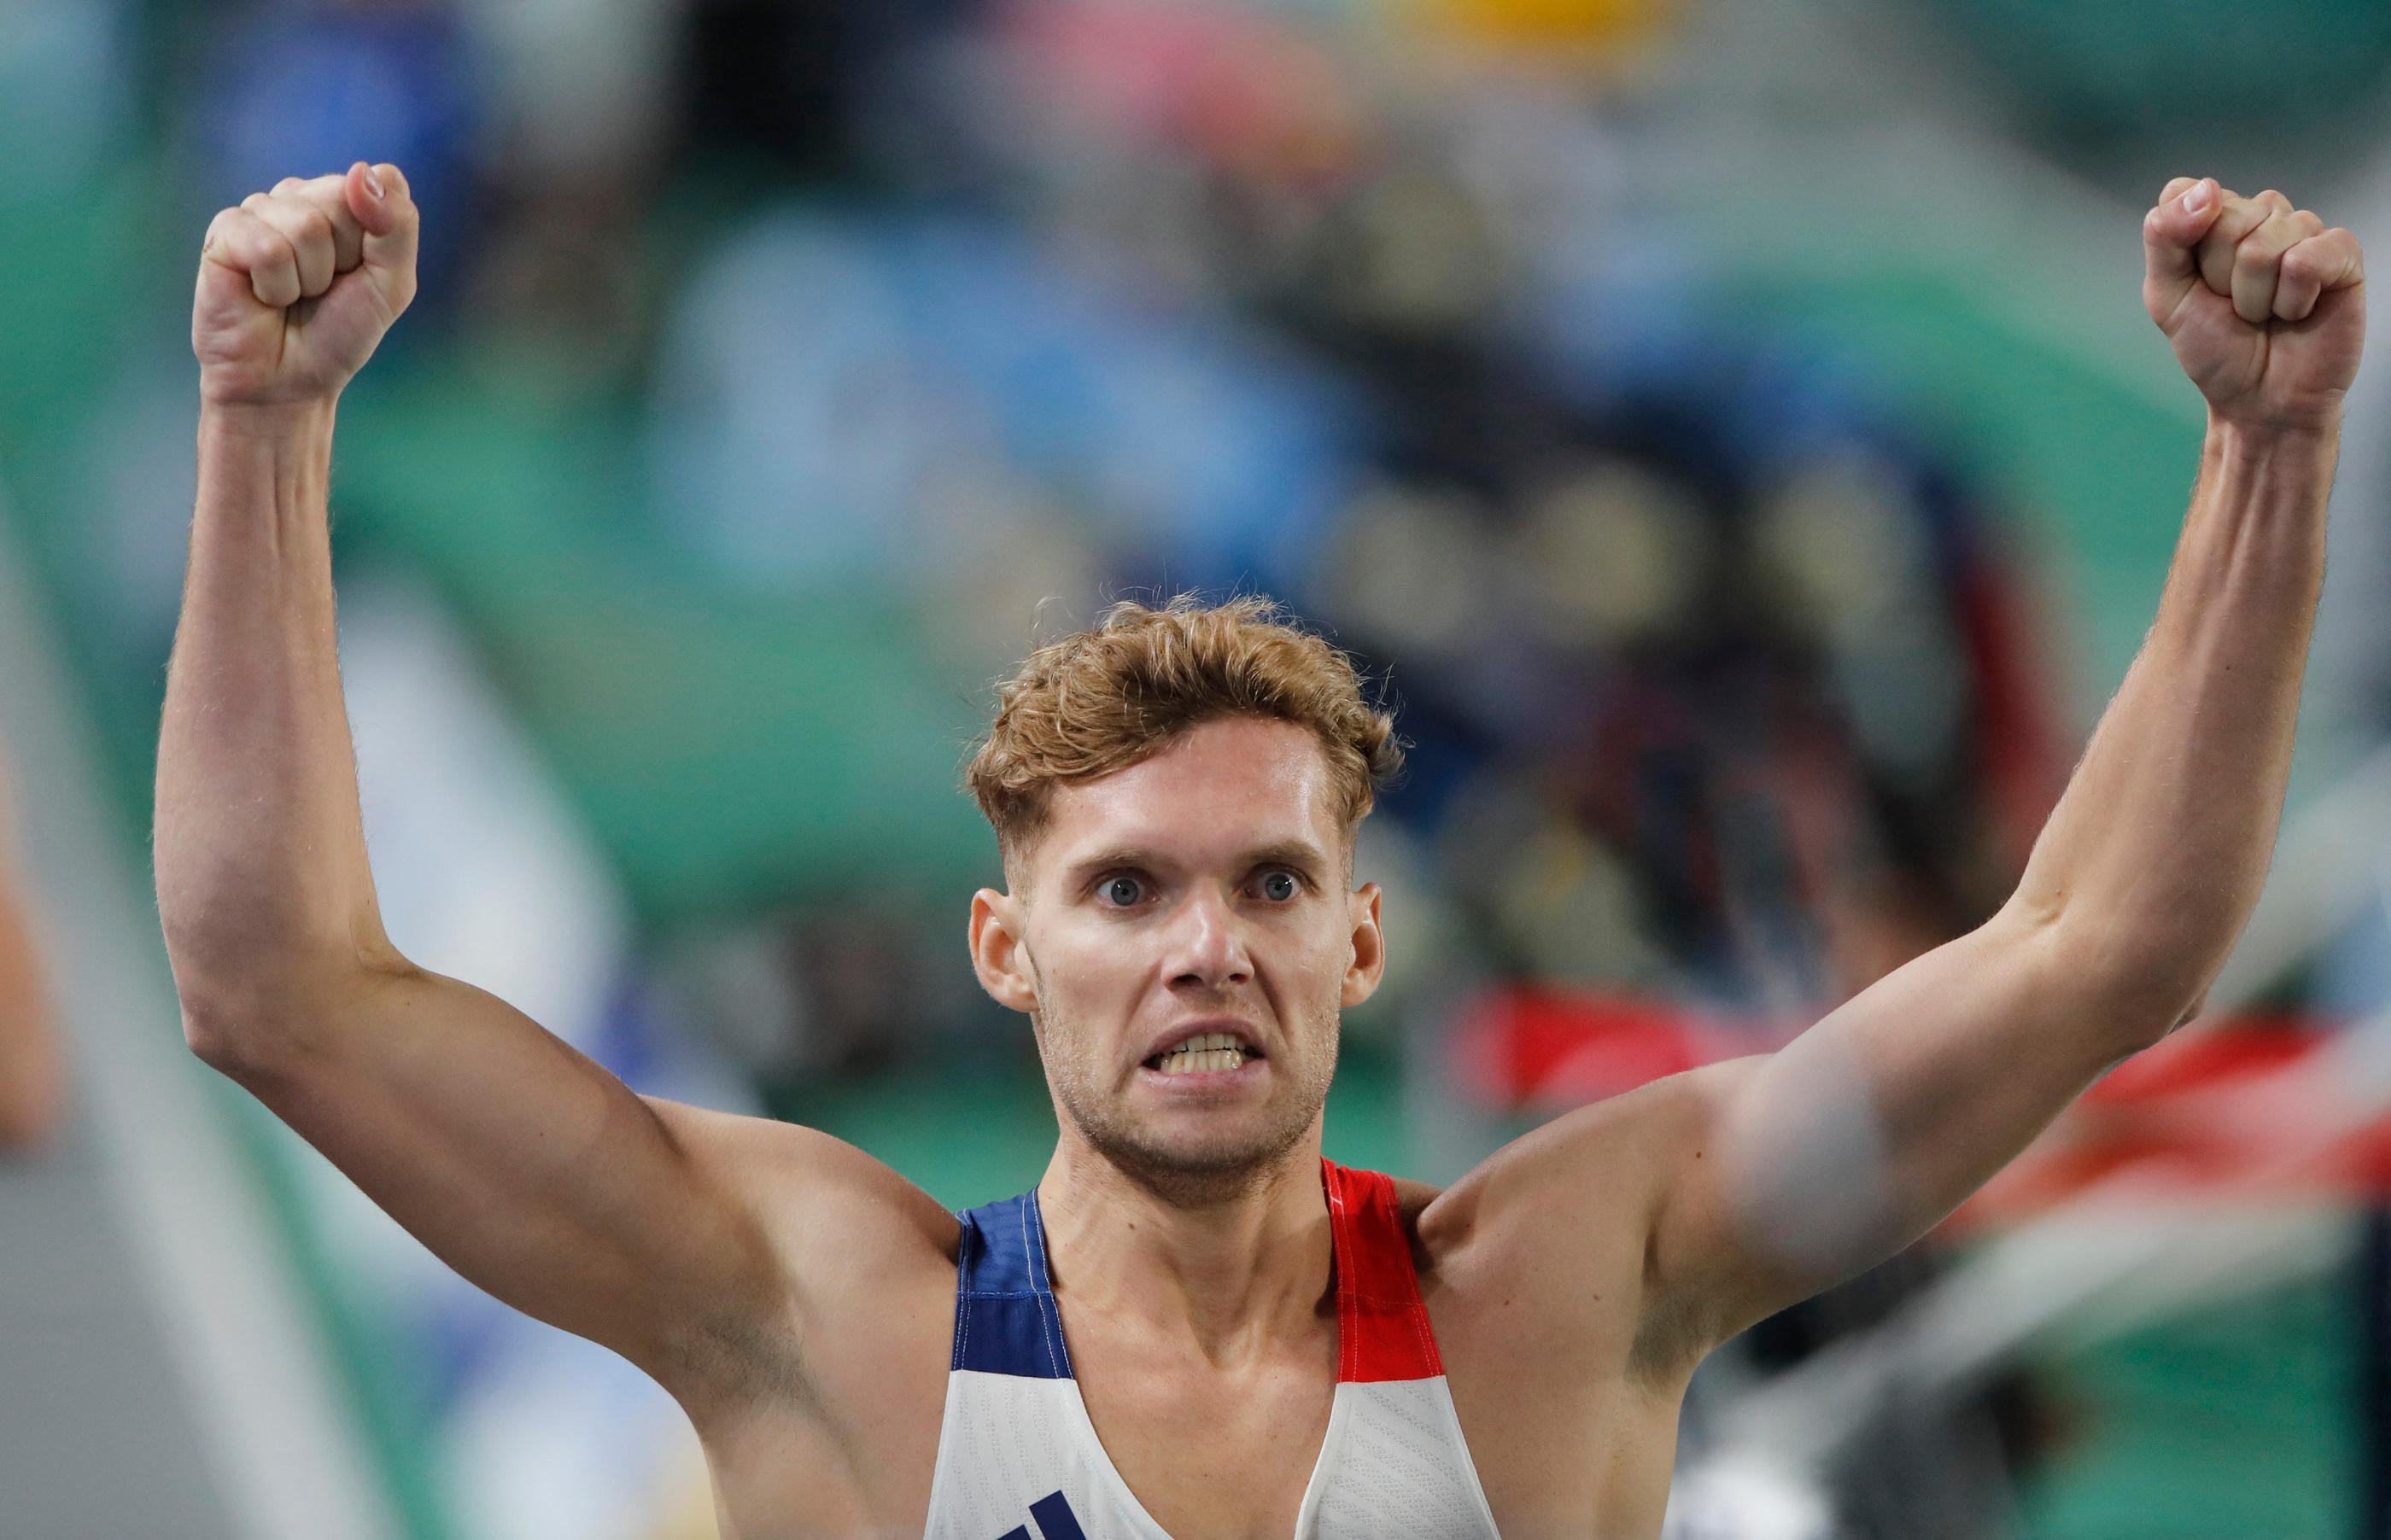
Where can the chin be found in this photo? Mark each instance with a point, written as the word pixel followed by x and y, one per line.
pixel 1196 1164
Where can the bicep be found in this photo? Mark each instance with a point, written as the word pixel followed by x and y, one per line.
pixel 524 1165
pixel 1804 1167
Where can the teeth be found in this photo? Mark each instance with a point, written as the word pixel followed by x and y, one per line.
pixel 1204 1053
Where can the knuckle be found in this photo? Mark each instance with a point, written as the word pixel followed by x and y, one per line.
pixel 2260 252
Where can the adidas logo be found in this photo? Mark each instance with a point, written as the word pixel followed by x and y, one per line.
pixel 1054 1518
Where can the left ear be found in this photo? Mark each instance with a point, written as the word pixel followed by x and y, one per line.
pixel 1369 963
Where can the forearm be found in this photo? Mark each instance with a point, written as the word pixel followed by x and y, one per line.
pixel 1868 1127
pixel 2154 855
pixel 262 876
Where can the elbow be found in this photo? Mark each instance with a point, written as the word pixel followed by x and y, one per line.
pixel 2142 1009
pixel 220 990
pixel 227 1028
pixel 2149 994
pixel 247 1009
pixel 224 1038
pixel 2142 977
pixel 251 1029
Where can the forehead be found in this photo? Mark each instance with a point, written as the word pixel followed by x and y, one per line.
pixel 1222 789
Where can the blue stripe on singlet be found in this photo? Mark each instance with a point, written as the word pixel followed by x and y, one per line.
pixel 1005 1319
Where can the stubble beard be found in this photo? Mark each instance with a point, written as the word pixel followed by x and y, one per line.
pixel 1205 1174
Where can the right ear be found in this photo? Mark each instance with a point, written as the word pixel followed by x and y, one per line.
pixel 998 955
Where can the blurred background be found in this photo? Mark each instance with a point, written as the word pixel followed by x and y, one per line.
pixel 1725 429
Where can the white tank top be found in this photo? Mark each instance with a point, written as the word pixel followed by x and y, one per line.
pixel 1019 1460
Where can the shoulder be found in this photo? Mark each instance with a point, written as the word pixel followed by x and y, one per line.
pixel 1614 1158
pixel 1567 1217
pixel 859 1251
pixel 810 1182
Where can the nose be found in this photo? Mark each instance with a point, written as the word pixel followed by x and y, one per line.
pixel 1207 946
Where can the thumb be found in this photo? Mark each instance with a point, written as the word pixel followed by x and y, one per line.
pixel 384 207
pixel 2171 236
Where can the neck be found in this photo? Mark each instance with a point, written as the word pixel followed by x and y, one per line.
pixel 1231 1264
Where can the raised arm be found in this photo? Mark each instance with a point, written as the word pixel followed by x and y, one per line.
pixel 1871 1127
pixel 528 1168
pixel 1769 1178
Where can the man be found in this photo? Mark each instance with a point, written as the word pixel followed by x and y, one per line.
pixel 1192 1327
pixel 33 1089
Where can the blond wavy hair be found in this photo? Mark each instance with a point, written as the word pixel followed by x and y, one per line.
pixel 1118 692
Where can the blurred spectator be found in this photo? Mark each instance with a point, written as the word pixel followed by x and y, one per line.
pixel 580 91
pixel 301 88
pixel 941 400
pixel 579 105
pixel 31 1075
pixel 62 92
pixel 967 313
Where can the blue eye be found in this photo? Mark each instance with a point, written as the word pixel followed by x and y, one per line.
pixel 1278 887
pixel 1121 891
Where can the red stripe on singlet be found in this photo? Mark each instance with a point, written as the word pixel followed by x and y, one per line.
pixel 1382 1331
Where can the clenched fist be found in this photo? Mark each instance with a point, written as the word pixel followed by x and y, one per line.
pixel 2265 306
pixel 298 284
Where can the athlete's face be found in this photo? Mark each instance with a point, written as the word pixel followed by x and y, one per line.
pixel 1199 894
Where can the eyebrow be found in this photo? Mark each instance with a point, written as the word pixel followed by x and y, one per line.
pixel 1299 853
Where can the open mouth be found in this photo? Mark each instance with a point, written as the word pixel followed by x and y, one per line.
pixel 1205 1053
